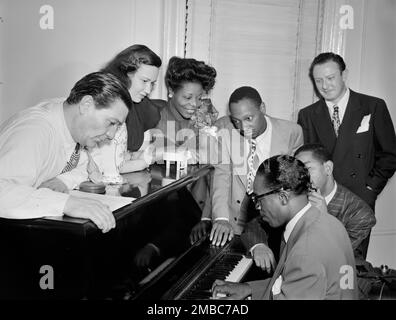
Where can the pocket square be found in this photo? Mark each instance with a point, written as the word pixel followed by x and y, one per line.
pixel 364 125
pixel 276 288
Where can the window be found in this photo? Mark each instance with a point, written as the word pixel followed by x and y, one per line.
pixel 266 44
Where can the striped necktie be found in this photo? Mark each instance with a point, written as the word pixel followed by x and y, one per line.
pixel 250 162
pixel 282 245
pixel 75 157
pixel 335 119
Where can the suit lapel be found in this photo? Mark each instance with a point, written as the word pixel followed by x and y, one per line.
pixel 277 138
pixel 323 125
pixel 298 230
pixel 278 271
pixel 350 123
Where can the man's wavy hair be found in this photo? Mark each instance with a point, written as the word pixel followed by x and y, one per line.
pixel 286 172
pixel 182 70
pixel 104 88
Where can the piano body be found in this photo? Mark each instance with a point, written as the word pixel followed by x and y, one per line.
pixel 70 258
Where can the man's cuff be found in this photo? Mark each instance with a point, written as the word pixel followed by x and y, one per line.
pixel 155 247
pixel 221 218
pixel 205 219
pixel 256 245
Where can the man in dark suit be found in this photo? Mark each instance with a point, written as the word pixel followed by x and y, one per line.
pixel 316 260
pixel 355 128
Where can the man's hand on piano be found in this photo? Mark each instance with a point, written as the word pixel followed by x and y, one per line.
pixel 145 256
pixel 91 209
pixel 55 184
pixel 221 232
pixel 225 290
pixel 263 257
pixel 200 230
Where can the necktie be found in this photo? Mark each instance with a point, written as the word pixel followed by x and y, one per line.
pixel 335 119
pixel 251 172
pixel 282 245
pixel 94 173
pixel 75 157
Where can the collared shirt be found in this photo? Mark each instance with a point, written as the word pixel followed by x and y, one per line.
pixel 263 149
pixel 35 145
pixel 289 227
pixel 331 194
pixel 263 143
pixel 292 223
pixel 342 104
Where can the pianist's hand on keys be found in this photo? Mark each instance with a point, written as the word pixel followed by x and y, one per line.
pixel 225 290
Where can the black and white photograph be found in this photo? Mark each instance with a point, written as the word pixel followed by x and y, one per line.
pixel 187 157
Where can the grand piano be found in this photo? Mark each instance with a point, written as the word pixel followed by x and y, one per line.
pixel 66 258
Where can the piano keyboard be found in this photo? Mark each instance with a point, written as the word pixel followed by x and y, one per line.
pixel 229 267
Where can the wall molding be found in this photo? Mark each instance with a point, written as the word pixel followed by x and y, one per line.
pixel 333 37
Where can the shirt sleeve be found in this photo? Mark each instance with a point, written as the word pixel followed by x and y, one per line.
pixel 23 156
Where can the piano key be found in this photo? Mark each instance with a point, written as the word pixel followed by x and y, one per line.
pixel 230 267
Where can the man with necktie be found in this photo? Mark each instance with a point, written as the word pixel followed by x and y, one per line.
pixel 316 260
pixel 245 138
pixel 329 197
pixel 356 129
pixel 39 147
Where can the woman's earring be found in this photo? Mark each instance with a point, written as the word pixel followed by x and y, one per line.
pixel 170 95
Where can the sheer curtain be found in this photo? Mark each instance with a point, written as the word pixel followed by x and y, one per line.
pixel 261 43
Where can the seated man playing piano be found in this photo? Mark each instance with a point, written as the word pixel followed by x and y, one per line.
pixel 316 260
pixel 356 216
pixel 40 145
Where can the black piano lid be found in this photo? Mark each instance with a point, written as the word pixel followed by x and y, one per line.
pixel 81 255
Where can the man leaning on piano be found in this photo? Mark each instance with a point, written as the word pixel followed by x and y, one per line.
pixel 41 145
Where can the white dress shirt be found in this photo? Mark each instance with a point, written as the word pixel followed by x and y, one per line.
pixel 263 144
pixel 342 104
pixel 292 223
pixel 35 145
pixel 331 194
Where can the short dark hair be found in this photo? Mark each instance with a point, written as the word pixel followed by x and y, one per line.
pixel 129 60
pixel 104 88
pixel 319 152
pixel 181 70
pixel 287 172
pixel 245 93
pixel 323 58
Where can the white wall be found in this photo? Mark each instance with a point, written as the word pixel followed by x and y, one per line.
pixel 369 50
pixel 36 64
pixel 377 77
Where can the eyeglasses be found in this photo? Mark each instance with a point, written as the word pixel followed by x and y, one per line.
pixel 256 198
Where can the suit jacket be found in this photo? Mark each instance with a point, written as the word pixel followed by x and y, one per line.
pixel 230 174
pixel 313 263
pixel 356 216
pixel 360 159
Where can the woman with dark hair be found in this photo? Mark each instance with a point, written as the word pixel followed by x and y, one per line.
pixel 137 67
pixel 186 120
pixel 188 81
